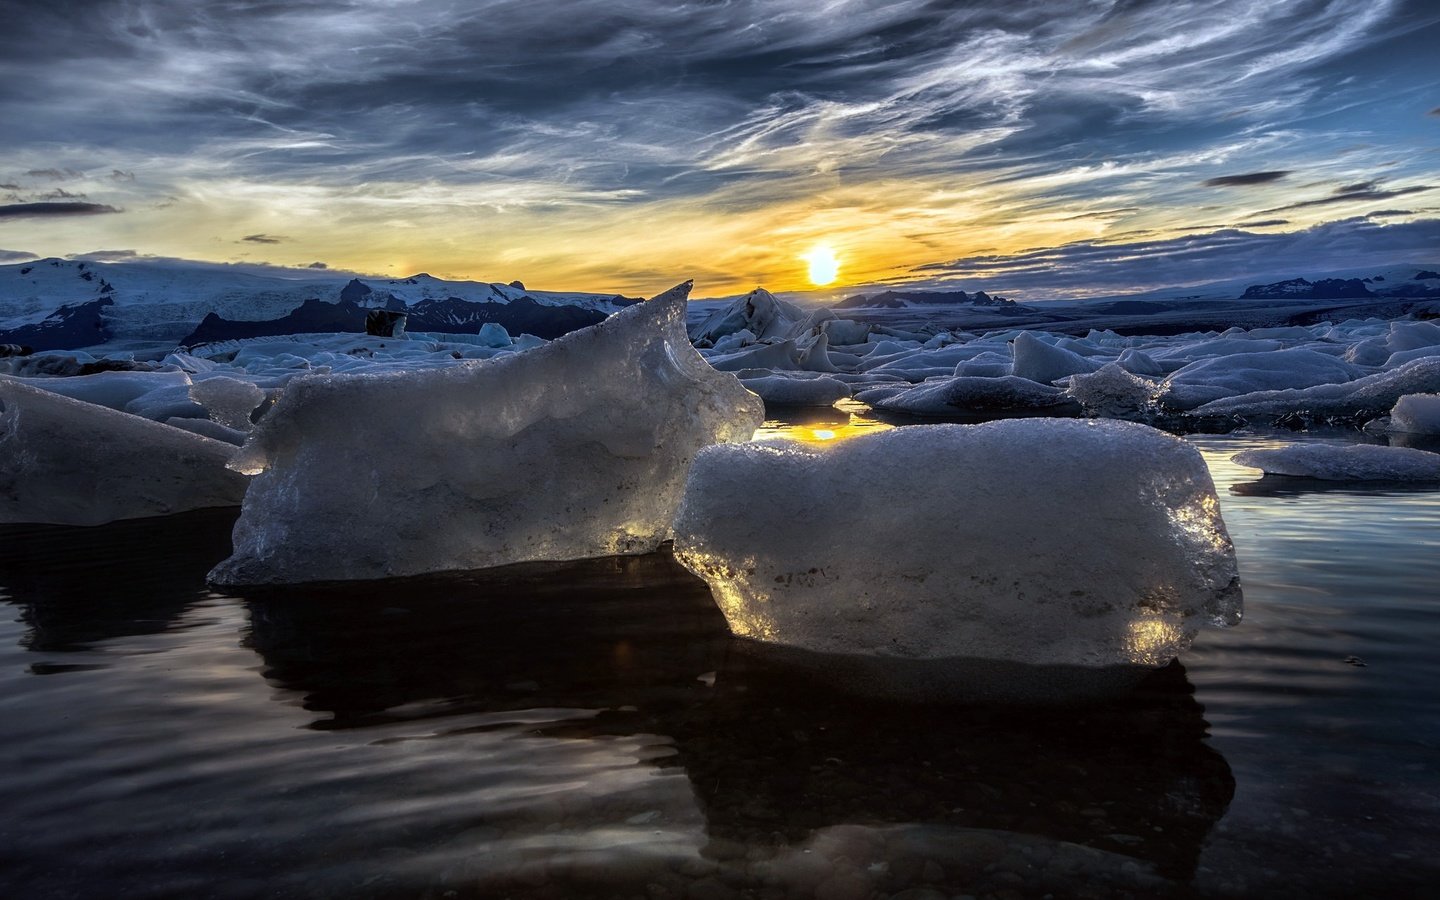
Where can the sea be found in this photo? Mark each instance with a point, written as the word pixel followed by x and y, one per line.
pixel 591 729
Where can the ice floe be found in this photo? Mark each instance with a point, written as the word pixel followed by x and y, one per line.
pixel 1037 541
pixel 1344 462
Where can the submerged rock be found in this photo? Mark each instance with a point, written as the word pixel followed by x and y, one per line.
pixel 574 449
pixel 1037 542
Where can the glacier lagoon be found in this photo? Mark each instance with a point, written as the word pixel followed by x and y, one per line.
pixel 591 729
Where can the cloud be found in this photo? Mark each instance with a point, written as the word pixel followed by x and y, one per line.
pixel 263 239
pixel 120 175
pixel 60 194
pixel 105 255
pixel 54 174
pixel 1390 212
pixel 1352 193
pixel 1092 267
pixel 54 209
pixel 8 256
pixel 1263 223
pixel 7 186
pixel 1248 178
pixel 317 265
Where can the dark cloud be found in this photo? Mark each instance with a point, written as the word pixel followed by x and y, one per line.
pixel 60 194
pixel 1435 111
pixel 9 256
pixel 119 175
pixel 1352 193
pixel 9 187
pixel 263 239
pixel 1248 178
pixel 53 209
pixel 317 265
pixel 1103 213
pixel 1391 212
pixel 1090 267
pixel 54 174
pixel 1263 223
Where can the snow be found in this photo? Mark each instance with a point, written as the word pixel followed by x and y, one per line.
pixel 1038 541
pixel 69 462
pixel 1353 462
pixel 575 449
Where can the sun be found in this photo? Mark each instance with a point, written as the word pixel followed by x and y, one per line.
pixel 824 267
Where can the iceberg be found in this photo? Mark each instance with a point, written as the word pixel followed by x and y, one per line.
pixel 577 448
pixel 1038 541
pixel 1342 462
pixel 70 462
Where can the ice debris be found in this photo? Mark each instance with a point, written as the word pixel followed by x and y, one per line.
pixel 69 462
pixel 575 449
pixel 1344 462
pixel 1035 541
pixel 1416 414
pixel 966 395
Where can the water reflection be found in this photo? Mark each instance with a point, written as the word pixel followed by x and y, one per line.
pixel 820 426
pixel 774 759
pixel 80 586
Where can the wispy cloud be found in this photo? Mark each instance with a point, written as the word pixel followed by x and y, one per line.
pixel 1088 267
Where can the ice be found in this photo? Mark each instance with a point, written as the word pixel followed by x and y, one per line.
pixel 758 312
pixel 228 401
pixel 1371 395
pixel 71 462
pixel 115 390
pixel 1044 363
pixel 1242 373
pixel 493 334
pixel 1416 414
pixel 578 448
pixel 1038 541
pixel 1339 462
pixel 966 395
pixel 1113 392
pixel 782 391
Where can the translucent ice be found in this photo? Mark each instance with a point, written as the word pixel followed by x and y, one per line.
pixel 1345 462
pixel 574 449
pixel 1371 395
pixel 69 462
pixel 1112 392
pixel 1039 541
pixel 1042 362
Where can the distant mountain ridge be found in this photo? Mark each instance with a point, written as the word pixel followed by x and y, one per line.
pixel 903 299
pixel 68 304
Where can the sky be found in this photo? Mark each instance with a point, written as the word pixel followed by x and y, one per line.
pixel 1031 148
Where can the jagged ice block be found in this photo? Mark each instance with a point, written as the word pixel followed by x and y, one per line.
pixel 578 448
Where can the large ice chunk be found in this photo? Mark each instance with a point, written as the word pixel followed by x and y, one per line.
pixel 574 449
pixel 1369 396
pixel 1037 541
pixel 70 462
pixel 1341 462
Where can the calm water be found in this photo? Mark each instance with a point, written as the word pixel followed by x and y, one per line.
pixel 591 730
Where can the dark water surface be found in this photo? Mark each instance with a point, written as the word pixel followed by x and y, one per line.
pixel 590 729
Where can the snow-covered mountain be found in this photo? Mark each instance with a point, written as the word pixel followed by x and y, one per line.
pixel 53 303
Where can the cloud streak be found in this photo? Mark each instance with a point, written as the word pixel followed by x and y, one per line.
pixel 53 209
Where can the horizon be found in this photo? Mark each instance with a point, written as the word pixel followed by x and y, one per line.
pixel 1019 150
